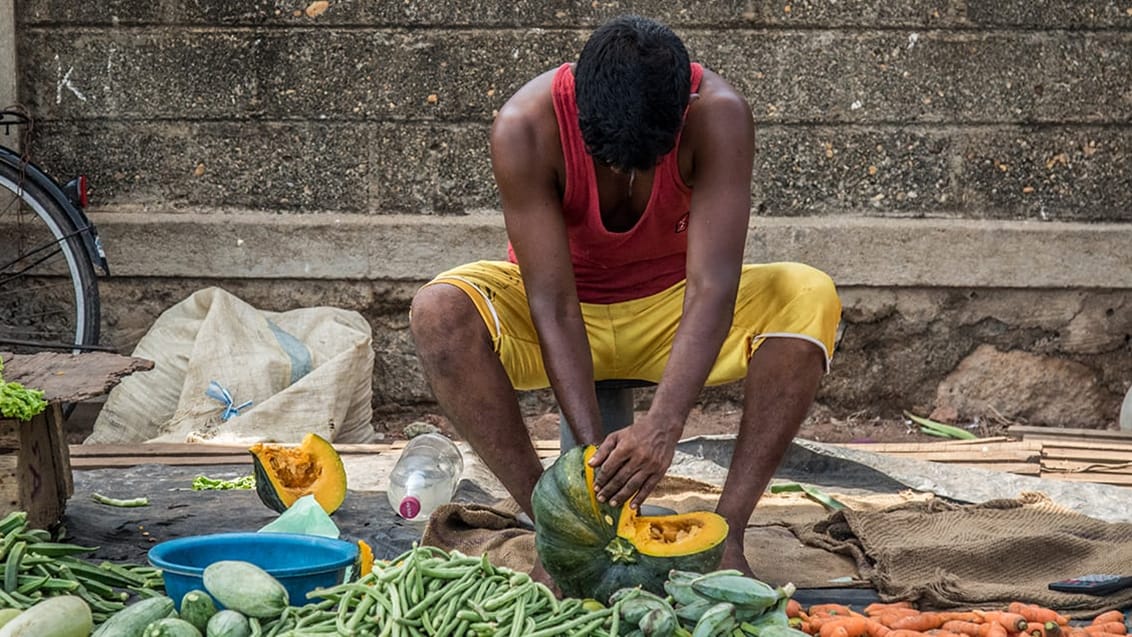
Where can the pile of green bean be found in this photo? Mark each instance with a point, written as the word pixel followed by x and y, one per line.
pixel 36 565
pixel 427 591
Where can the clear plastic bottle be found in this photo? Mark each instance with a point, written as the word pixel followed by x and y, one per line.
pixel 425 476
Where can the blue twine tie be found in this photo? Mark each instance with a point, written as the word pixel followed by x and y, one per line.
pixel 217 391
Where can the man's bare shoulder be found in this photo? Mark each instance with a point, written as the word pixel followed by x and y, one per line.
pixel 526 119
pixel 719 129
pixel 719 99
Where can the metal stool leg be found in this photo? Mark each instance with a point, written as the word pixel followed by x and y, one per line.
pixel 616 405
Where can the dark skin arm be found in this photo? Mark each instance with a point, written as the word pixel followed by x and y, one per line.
pixel 720 132
pixel 525 156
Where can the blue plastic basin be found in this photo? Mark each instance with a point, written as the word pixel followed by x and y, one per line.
pixel 301 563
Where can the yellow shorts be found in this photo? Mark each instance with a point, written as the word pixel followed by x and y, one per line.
pixel 632 339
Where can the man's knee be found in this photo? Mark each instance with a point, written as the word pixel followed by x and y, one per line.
pixel 798 280
pixel 439 312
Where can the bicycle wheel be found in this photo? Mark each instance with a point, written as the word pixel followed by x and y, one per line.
pixel 48 288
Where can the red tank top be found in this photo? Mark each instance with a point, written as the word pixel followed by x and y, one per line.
pixel 618 266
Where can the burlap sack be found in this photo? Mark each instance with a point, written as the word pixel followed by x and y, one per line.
pixel 944 555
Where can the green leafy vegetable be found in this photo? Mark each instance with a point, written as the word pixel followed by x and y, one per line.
pixel 204 483
pixel 16 401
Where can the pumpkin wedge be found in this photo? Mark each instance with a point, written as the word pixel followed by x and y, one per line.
pixel 285 473
pixel 592 549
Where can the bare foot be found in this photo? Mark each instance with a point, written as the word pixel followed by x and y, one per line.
pixel 539 574
pixel 733 558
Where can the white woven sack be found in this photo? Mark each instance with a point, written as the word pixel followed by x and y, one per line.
pixel 305 370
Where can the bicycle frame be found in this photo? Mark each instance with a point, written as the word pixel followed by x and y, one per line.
pixel 80 223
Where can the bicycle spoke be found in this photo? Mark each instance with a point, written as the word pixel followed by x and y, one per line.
pixel 9 275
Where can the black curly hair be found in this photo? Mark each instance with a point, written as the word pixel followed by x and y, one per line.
pixel 632 82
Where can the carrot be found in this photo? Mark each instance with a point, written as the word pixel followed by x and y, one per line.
pixel 854 626
pixel 832 609
pixel 1044 629
pixel 876 629
pixel 820 619
pixel 903 632
pixel 1109 616
pixel 922 622
pixel 993 629
pixel 1112 627
pixel 1012 622
pixel 962 627
pixel 1037 614
pixel 890 616
pixel 878 608
pixel 968 616
pixel 793 608
pixel 841 625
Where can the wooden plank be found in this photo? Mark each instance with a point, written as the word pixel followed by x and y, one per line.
pixel 1046 433
pixel 67 377
pixel 107 462
pixel 186 454
pixel 1089 455
pixel 932 447
pixel 200 449
pixel 1117 479
pixel 194 449
pixel 1065 443
pixel 974 456
pixel 1019 468
pixel 1075 466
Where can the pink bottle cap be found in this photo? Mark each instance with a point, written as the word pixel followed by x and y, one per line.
pixel 410 507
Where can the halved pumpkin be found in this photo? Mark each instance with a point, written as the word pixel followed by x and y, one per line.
pixel 592 549
pixel 285 473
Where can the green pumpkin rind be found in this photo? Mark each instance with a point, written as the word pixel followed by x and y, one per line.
pixel 569 546
pixel 578 543
pixel 265 489
pixel 277 488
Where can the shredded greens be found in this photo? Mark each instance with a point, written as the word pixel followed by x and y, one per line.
pixel 17 401
pixel 204 483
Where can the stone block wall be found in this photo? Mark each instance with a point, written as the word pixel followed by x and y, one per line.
pixel 962 168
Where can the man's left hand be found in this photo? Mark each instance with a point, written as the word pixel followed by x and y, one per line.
pixel 632 461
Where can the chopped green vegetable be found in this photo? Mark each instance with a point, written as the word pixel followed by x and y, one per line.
pixel 17 401
pixel 117 502
pixel 939 429
pixel 204 483
pixel 812 493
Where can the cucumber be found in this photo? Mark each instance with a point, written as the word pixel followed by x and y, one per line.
pixel 197 608
pixel 132 620
pixel 228 623
pixel 62 616
pixel 245 587
pixel 171 627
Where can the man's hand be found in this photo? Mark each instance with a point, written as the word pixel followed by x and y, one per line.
pixel 633 461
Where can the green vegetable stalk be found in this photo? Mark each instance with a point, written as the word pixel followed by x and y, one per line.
pixel 16 401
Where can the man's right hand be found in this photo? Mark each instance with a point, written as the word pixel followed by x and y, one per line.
pixel 630 462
